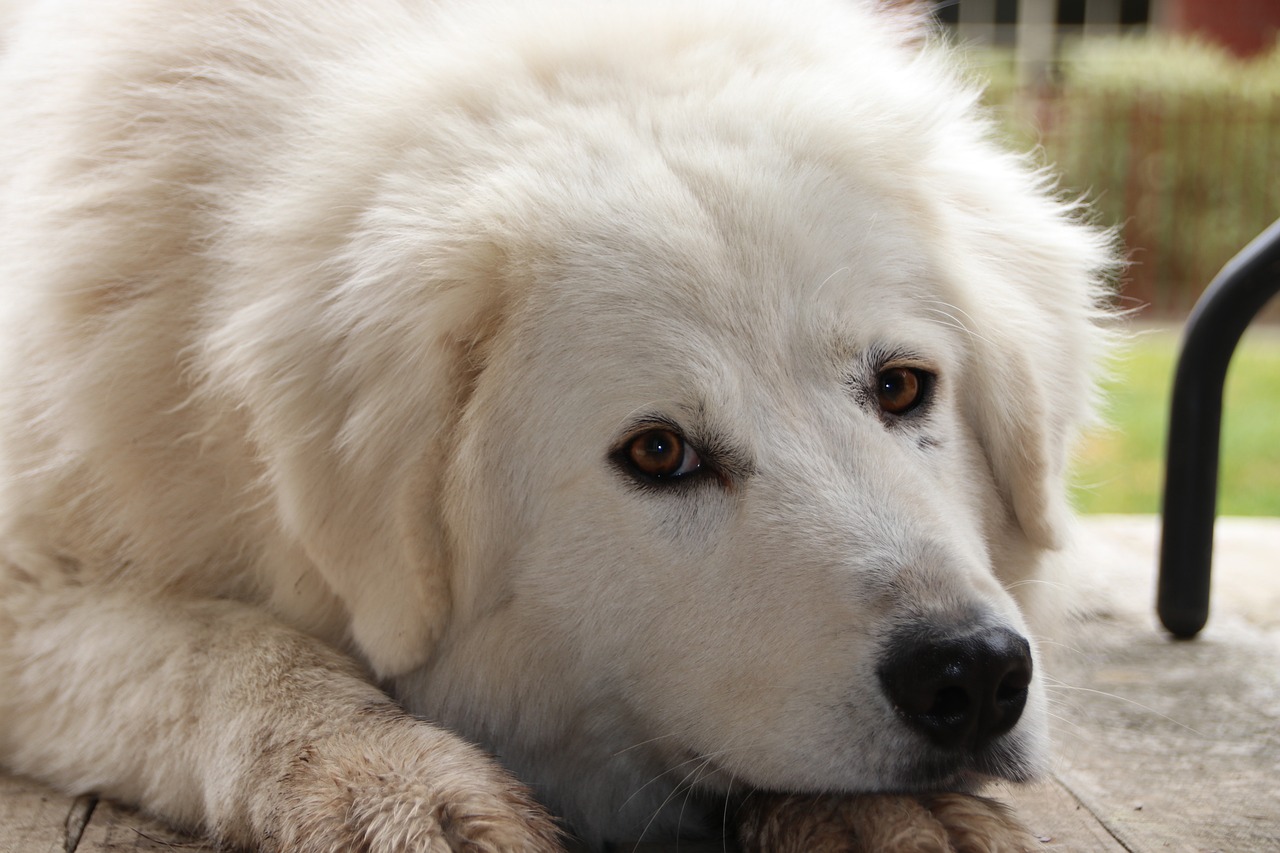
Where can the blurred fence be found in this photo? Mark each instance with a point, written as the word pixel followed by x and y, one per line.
pixel 1172 141
pixel 1189 178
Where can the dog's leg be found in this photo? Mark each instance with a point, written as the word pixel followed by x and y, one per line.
pixel 216 717
pixel 880 823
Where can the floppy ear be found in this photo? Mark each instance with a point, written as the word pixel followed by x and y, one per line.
pixel 352 372
pixel 1024 434
pixel 1034 283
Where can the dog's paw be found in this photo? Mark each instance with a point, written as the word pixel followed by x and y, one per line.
pixel 980 825
pixel 880 823
pixel 428 793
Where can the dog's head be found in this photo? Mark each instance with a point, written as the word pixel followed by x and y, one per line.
pixel 767 476
pixel 745 397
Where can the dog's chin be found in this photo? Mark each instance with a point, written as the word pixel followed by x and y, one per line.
pixel 709 802
pixel 959 776
pixel 1009 759
pixel 925 770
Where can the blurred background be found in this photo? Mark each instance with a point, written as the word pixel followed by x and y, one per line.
pixel 1165 115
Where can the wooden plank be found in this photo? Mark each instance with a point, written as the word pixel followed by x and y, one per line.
pixel 1175 745
pixel 1061 822
pixel 32 817
pixel 1172 746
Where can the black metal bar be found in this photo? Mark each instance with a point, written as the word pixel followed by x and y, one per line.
pixel 1214 328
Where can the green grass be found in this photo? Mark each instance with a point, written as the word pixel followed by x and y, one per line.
pixel 1120 469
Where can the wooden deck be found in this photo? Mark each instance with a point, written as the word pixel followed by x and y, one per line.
pixel 1162 745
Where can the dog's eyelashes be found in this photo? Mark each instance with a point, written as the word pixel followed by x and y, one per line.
pixel 662 454
pixel 900 390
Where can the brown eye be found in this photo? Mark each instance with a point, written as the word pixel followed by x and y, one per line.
pixel 900 389
pixel 662 454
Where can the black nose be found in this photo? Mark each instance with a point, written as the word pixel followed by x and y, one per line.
pixel 960 691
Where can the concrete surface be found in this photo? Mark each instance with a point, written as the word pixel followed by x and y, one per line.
pixel 1162 745
pixel 1175 746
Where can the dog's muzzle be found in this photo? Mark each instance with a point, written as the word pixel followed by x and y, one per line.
pixel 959 689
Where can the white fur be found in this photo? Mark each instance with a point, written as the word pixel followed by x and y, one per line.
pixel 320 321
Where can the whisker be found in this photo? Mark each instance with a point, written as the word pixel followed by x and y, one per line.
pixel 1068 723
pixel 956 323
pixel 1038 582
pixel 1063 686
pixel 688 794
pixel 675 791
pixel 950 323
pixel 684 786
pixel 951 306
pixel 665 772
pixel 827 281
pixel 626 749
pixel 724 816
pixel 674 768
pixel 1043 641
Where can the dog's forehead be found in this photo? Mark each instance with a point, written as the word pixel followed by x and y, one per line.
pixel 803 277
pixel 692 263
pixel 747 222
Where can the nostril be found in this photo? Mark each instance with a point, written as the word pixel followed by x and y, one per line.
pixel 1011 691
pixel 951 702
pixel 950 710
pixel 958 691
pixel 1015 683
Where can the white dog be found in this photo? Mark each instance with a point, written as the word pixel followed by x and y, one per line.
pixel 656 400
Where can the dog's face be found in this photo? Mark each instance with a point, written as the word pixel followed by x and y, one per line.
pixel 741 491
pixel 764 411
